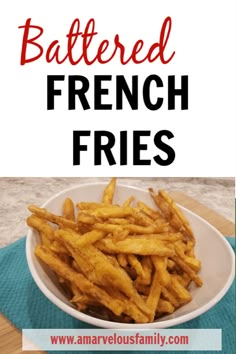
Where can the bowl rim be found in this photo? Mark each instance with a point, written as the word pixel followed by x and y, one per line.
pixel 117 325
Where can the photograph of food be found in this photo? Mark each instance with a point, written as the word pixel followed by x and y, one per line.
pixel 124 253
pixel 127 263
pixel 115 255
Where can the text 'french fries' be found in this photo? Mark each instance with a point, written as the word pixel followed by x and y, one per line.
pixel 124 263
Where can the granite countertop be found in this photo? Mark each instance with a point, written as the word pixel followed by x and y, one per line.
pixel 17 193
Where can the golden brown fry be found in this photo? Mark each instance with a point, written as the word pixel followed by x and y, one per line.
pixel 141 218
pixel 122 260
pixel 79 240
pixel 165 306
pixel 108 212
pixel 173 213
pixel 130 308
pixel 153 214
pixel 190 249
pixel 108 228
pixel 45 240
pixel 135 229
pixel 84 206
pixel 170 265
pixel 154 296
pixel 98 269
pixel 183 279
pixel 187 270
pixel 68 210
pixel 135 245
pixel 83 284
pixel 43 213
pixel 87 219
pixel 170 297
pixel 128 202
pixel 135 263
pixel 176 288
pixel 117 221
pixel 180 249
pixel 58 248
pixel 41 226
pixel 147 271
pixel 160 264
pixel 109 191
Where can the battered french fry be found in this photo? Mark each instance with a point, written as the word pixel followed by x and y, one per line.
pixel 134 262
pixel 153 214
pixel 87 219
pixel 176 288
pixel 160 264
pixel 117 221
pixel 145 279
pixel 83 284
pixel 130 308
pixel 98 269
pixel 134 229
pixel 68 209
pixel 109 192
pixel 170 297
pixel 154 296
pixel 173 213
pixel 128 202
pixel 108 212
pixel 84 206
pixel 59 220
pixel 165 306
pixel 135 245
pixel 79 240
pixel 58 248
pixel 45 240
pixel 122 259
pixel 41 226
pixel 187 270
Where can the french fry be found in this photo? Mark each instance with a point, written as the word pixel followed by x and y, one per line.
pixel 68 210
pixel 111 212
pixel 153 214
pixel 128 202
pixel 109 191
pixel 122 259
pixel 145 279
pixel 79 240
pixel 165 306
pixel 84 206
pixel 173 213
pixel 135 245
pixel 154 296
pixel 98 269
pixel 170 297
pixel 176 288
pixel 87 219
pixel 187 270
pixel 134 262
pixel 160 264
pixel 56 219
pixel 41 226
pixel 83 284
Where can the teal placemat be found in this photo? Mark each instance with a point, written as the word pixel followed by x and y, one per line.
pixel 26 307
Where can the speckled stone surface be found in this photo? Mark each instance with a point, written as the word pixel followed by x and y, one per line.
pixel 17 193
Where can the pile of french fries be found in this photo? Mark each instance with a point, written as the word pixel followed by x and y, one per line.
pixel 124 263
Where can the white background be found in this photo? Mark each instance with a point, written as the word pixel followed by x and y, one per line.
pixel 37 142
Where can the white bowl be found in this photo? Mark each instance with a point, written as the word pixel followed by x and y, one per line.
pixel 212 249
